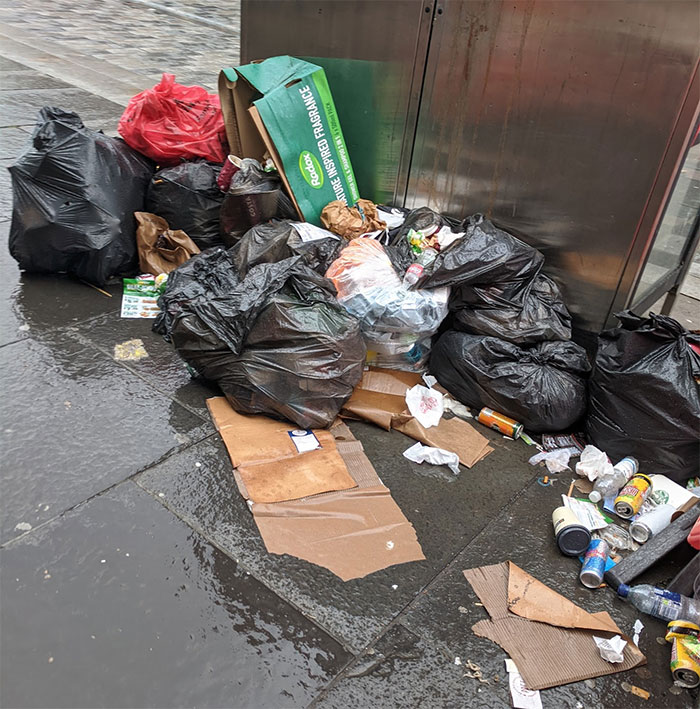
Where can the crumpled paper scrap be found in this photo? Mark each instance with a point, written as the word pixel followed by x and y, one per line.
pixel 593 464
pixel 130 350
pixel 611 648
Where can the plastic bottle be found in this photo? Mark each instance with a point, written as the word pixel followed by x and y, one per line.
pixel 664 605
pixel 413 275
pixel 611 483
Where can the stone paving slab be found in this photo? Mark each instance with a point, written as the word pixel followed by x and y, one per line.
pixel 73 423
pixel 119 604
pixel 445 511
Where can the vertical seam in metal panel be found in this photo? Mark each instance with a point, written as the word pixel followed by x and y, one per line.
pixel 660 211
pixel 420 101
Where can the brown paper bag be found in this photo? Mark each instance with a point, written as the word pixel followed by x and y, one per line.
pixel 351 222
pixel 161 249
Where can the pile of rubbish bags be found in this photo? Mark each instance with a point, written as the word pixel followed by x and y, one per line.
pixel 284 314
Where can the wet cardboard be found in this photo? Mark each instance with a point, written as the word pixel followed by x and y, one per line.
pixel 351 531
pixel 267 461
pixel 380 398
pixel 526 619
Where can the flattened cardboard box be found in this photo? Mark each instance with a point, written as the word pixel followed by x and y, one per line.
pixel 283 106
pixel 549 638
pixel 352 532
pixel 381 399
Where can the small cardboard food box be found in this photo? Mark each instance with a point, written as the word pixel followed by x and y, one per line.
pixel 283 106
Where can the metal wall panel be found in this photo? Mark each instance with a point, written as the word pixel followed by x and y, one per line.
pixel 554 118
pixel 374 54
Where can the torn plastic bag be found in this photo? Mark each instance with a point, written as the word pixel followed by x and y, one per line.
pixel 75 192
pixel 533 314
pixel 542 386
pixel 484 256
pixel 644 398
pixel 171 122
pixel 369 287
pixel 161 249
pixel 303 352
pixel 188 198
pixel 277 240
pixel 411 359
pixel 254 196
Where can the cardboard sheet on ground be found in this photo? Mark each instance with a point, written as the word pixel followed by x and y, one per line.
pixel 380 398
pixel 352 532
pixel 268 462
pixel 550 639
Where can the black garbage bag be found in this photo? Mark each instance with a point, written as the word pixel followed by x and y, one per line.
pixel 280 239
pixel 534 313
pixel 198 280
pixel 542 386
pixel 75 192
pixel 644 398
pixel 255 196
pixel 484 256
pixel 277 341
pixel 188 198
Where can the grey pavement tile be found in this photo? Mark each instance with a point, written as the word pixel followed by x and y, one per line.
pixel 32 304
pixel 444 614
pixel 73 422
pixel 5 189
pixel 402 670
pixel 20 107
pixel 163 368
pixel 29 79
pixel 12 142
pixel 8 65
pixel 119 604
pixel 446 513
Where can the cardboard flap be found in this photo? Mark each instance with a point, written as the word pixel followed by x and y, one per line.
pixel 270 74
pixel 530 598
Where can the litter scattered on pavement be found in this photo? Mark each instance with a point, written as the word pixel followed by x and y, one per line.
pixel 637 629
pixel 129 351
pixel 521 696
pixel 611 648
pixel 419 453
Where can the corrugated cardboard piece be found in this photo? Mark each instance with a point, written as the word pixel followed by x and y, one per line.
pixel 268 463
pixel 545 653
pixel 352 532
pixel 380 398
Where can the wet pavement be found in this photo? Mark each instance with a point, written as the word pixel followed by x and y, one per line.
pixel 133 574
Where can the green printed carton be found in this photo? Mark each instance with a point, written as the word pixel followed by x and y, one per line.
pixel 283 107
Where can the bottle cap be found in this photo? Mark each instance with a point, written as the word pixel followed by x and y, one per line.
pixel 623 590
pixel 595 496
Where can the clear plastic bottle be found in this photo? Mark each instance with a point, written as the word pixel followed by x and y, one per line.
pixel 664 605
pixel 610 484
pixel 413 275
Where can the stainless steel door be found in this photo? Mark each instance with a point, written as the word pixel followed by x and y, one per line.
pixel 554 119
pixel 374 54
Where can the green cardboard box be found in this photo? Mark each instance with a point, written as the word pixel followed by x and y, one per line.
pixel 283 106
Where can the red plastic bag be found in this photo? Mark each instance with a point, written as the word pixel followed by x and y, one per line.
pixel 171 122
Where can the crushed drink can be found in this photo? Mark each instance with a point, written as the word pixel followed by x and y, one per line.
pixel 682 629
pixel 500 422
pixel 593 568
pixel 630 499
pixel 685 661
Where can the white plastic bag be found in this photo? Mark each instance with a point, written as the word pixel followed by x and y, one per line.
pixel 419 453
pixel 593 464
pixel 425 405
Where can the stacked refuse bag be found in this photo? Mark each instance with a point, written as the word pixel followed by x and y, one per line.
pixel 508 346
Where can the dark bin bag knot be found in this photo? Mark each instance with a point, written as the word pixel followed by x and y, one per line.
pixel 644 397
